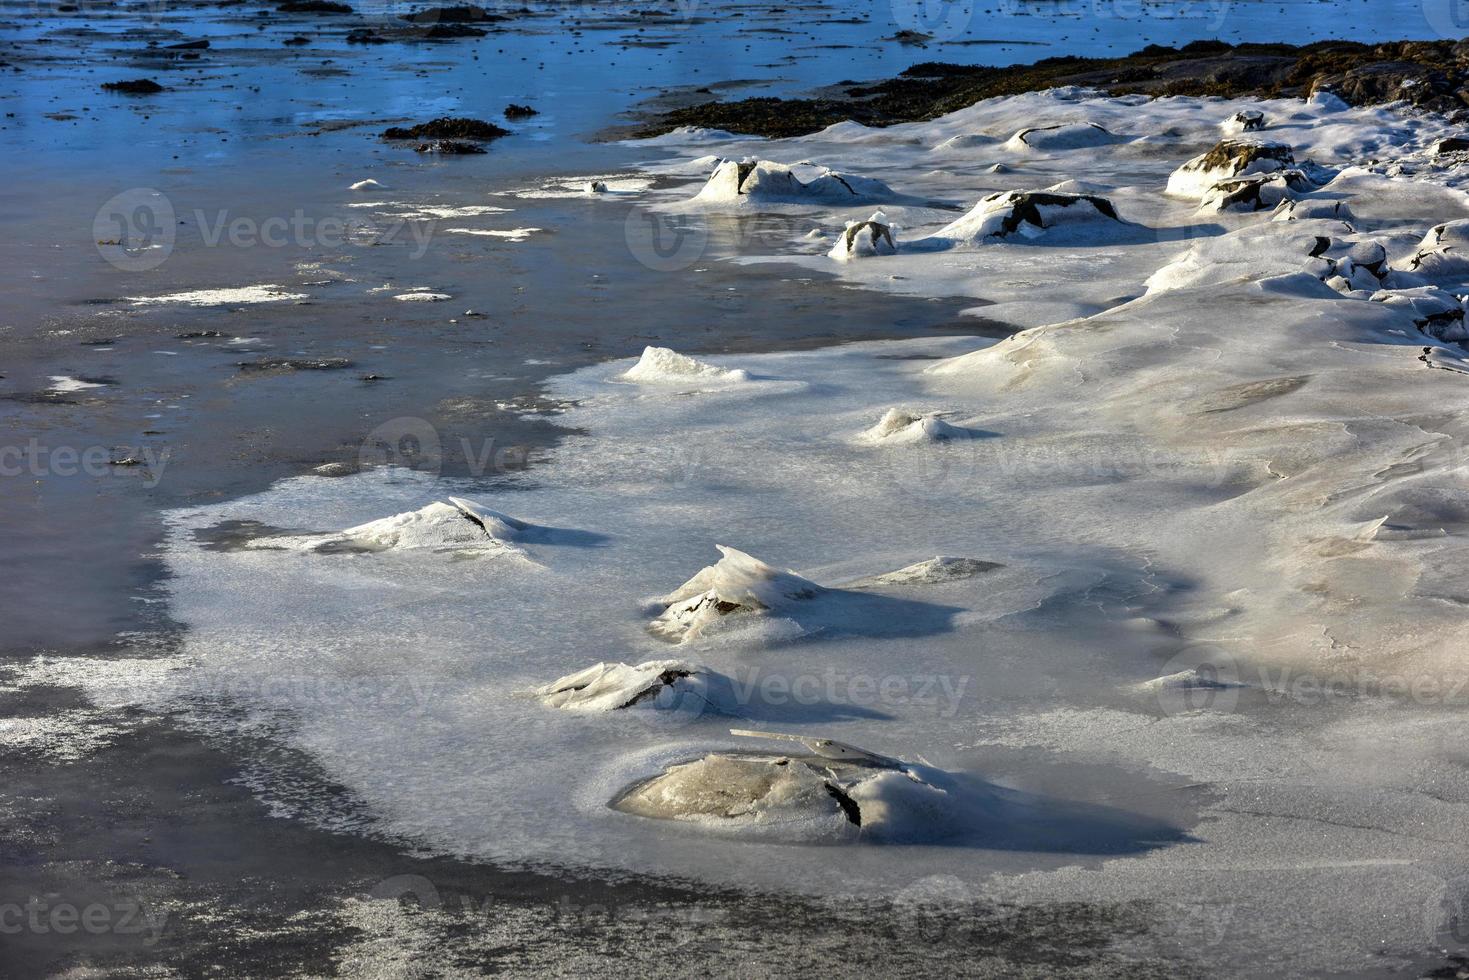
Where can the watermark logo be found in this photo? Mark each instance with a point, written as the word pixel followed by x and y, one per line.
pixel 1200 677
pixel 136 230
pixel 410 442
pixel 665 242
pixel 1449 19
pixel 52 915
pixel 941 20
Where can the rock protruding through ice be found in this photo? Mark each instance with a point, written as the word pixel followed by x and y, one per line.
pixel 737 583
pixel 457 524
pixel 617 686
pixel 735 181
pixel 865 238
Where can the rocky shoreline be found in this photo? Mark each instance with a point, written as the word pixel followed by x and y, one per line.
pixel 1432 75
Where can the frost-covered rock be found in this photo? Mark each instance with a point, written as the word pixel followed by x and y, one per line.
pixel 1443 253
pixel 898 426
pixel 737 583
pixel 1027 213
pixel 660 365
pixel 1229 158
pixel 615 686
pixel 1437 313
pixel 1255 192
pixel 734 181
pixel 457 524
pixel 861 239
pixel 1309 209
pixel 1069 136
pixel 942 568
pixel 596 187
pixel 830 791
pixel 1245 121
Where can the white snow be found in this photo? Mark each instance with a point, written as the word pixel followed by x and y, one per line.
pixel 62 384
pixel 662 366
pixel 241 295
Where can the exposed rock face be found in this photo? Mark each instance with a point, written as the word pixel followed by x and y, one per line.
pixel 1451 144
pixel 1386 81
pixel 1229 158
pixel 865 238
pixel 513 111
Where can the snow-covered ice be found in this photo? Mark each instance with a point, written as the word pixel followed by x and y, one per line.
pixel 1206 646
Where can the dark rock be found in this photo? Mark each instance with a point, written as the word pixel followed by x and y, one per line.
pixel 137 86
pixel 448 128
pixel 314 7
pixel 187 46
pixel 297 41
pixel 1451 144
pixel 466 13
pixel 281 364
pixel 513 111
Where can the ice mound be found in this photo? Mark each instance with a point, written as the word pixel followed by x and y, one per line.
pixel 1069 136
pixel 1443 253
pixel 1229 158
pixel 1245 121
pixel 901 427
pixel 366 185
pixel 422 296
pixel 615 686
pixel 865 238
pixel 1296 209
pixel 662 365
pixel 1437 313
pixel 1027 213
pixel 734 181
pixel 833 791
pixel 1255 192
pixel 456 524
pixel 941 568
pixel 737 583
pixel 1255 252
